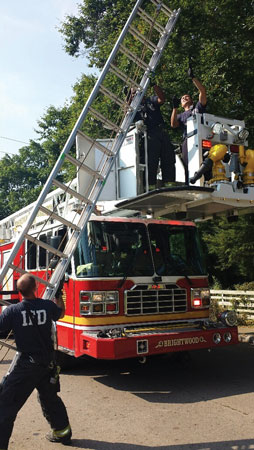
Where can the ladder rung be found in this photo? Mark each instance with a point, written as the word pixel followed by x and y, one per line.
pixel 22 271
pixel 133 57
pixel 142 38
pixel 5 302
pixel 50 249
pixel 165 9
pixel 59 218
pixel 112 96
pixel 116 71
pixel 110 125
pixel 9 292
pixel 3 343
pixel 84 167
pixel 147 18
pixel 71 191
pixel 97 144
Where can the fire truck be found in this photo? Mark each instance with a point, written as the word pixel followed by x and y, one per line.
pixel 128 259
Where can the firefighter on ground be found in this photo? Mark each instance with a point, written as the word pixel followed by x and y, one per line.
pixel 159 146
pixel 180 119
pixel 35 367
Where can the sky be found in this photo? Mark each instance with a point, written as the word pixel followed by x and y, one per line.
pixel 35 71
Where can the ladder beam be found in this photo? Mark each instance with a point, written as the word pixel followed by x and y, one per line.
pixel 116 71
pixel 59 218
pixel 142 38
pixel 147 18
pixel 84 167
pixel 97 144
pixel 133 57
pixel 108 123
pixel 112 96
pixel 23 272
pixel 47 247
pixel 71 191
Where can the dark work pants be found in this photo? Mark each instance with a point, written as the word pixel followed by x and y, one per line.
pixel 16 389
pixel 160 149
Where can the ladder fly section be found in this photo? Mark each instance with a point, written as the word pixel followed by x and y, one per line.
pixel 133 59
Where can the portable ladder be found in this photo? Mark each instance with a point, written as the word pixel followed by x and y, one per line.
pixel 158 20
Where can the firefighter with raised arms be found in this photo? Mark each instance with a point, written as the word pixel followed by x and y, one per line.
pixel 180 119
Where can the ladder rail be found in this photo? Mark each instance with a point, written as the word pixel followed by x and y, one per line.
pixel 69 142
pixel 85 215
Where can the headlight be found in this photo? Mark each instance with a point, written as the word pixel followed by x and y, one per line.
pixel 229 318
pixel 217 128
pixel 99 302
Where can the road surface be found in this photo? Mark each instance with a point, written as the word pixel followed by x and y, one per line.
pixel 206 403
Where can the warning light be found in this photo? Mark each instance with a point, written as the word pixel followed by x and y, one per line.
pixel 206 144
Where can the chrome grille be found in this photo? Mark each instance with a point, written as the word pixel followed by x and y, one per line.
pixel 143 300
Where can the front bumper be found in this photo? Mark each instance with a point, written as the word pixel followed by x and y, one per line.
pixel 154 343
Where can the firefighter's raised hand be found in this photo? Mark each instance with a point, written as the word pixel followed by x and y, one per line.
pixel 176 101
pixel 190 71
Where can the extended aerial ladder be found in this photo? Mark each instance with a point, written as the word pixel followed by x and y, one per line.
pixel 135 49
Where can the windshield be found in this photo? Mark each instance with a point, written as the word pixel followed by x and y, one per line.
pixel 176 250
pixel 114 249
pixel 121 249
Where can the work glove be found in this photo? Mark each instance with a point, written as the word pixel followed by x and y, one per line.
pixel 126 90
pixel 151 77
pixel 190 71
pixel 176 101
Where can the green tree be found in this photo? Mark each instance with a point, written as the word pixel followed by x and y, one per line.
pixel 22 177
pixel 229 249
pixel 217 36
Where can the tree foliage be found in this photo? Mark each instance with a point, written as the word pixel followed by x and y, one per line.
pixel 217 36
pixel 22 177
pixel 229 249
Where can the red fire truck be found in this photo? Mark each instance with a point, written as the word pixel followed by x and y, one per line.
pixel 135 287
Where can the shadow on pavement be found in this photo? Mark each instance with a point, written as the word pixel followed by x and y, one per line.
pixel 177 379
pixel 247 444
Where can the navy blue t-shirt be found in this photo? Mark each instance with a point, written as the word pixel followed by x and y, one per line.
pixel 182 117
pixel 27 335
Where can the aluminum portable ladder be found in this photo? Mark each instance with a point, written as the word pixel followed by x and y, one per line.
pixel 158 22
